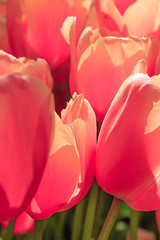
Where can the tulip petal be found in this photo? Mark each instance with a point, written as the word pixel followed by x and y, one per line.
pixel 70 168
pixel 61 174
pixel 127 163
pixel 37 69
pixel 136 26
pixel 25 130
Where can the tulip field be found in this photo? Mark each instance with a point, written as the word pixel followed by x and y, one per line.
pixel 79 119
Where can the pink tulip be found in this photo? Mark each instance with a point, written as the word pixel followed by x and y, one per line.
pixel 100 64
pixel 26 129
pixel 70 169
pixel 134 17
pixel 34 27
pixel 24 224
pixel 127 162
pixel 143 234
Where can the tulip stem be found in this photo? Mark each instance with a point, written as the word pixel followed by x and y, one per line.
pixel 38 229
pixel 103 199
pixel 78 220
pixel 61 225
pixel 134 221
pixel 9 232
pixel 111 218
pixel 89 219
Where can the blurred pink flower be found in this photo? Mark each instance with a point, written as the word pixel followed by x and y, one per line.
pixel 134 17
pixel 34 27
pixel 143 234
pixel 24 224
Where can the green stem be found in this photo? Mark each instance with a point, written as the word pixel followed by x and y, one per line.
pixel 103 199
pixel 47 226
pixel 61 225
pixel 9 232
pixel 38 230
pixel 89 220
pixel 78 220
pixel 2 233
pixel 134 221
pixel 18 237
pixel 111 218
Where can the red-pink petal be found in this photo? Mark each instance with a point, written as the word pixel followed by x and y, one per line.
pixel 70 169
pixel 26 118
pixel 127 163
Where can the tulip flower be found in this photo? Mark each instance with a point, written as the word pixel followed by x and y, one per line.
pixel 26 129
pixel 34 27
pixel 70 169
pixel 130 17
pixel 143 234
pixel 127 161
pixel 24 224
pixel 100 64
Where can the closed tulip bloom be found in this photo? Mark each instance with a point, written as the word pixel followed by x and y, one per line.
pixel 71 166
pixel 127 162
pixel 24 224
pixel 128 18
pixel 34 27
pixel 101 63
pixel 26 129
